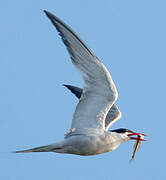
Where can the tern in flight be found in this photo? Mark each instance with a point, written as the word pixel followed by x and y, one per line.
pixel 96 111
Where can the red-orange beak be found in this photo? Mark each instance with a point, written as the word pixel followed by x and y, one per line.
pixel 139 135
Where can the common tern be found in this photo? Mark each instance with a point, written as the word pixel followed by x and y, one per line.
pixel 96 111
pixel 113 115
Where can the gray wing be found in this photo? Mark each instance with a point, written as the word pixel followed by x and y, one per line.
pixel 99 92
pixel 113 115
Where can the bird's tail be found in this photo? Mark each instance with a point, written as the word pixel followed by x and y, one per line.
pixel 50 148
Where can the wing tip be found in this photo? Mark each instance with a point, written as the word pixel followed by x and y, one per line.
pixel 46 12
pixel 50 15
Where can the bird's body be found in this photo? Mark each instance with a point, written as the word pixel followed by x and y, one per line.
pixel 87 142
pixel 96 110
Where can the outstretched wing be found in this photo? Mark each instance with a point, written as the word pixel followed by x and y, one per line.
pixel 99 92
pixel 113 115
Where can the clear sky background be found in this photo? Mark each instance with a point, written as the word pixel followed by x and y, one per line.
pixel 129 37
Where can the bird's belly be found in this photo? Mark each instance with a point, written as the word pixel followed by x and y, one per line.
pixel 89 145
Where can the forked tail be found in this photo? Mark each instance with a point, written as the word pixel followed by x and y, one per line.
pixel 50 148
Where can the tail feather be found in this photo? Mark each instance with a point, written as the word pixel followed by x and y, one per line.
pixel 49 148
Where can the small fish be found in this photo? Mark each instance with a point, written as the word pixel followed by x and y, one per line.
pixel 137 145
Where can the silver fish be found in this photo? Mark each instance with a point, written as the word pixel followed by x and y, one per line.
pixel 137 145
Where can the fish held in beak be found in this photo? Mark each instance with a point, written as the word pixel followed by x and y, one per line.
pixel 139 139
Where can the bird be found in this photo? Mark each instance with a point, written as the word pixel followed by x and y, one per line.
pixel 96 111
pixel 113 115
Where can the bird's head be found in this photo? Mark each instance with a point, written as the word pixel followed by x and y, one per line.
pixel 129 135
pixel 126 135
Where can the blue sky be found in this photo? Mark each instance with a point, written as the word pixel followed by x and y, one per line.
pixel 129 37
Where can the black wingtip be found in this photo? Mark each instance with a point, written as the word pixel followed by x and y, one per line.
pixel 75 90
pixel 71 88
pixel 47 13
pixel 66 85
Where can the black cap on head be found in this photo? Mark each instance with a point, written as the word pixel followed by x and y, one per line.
pixel 122 130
